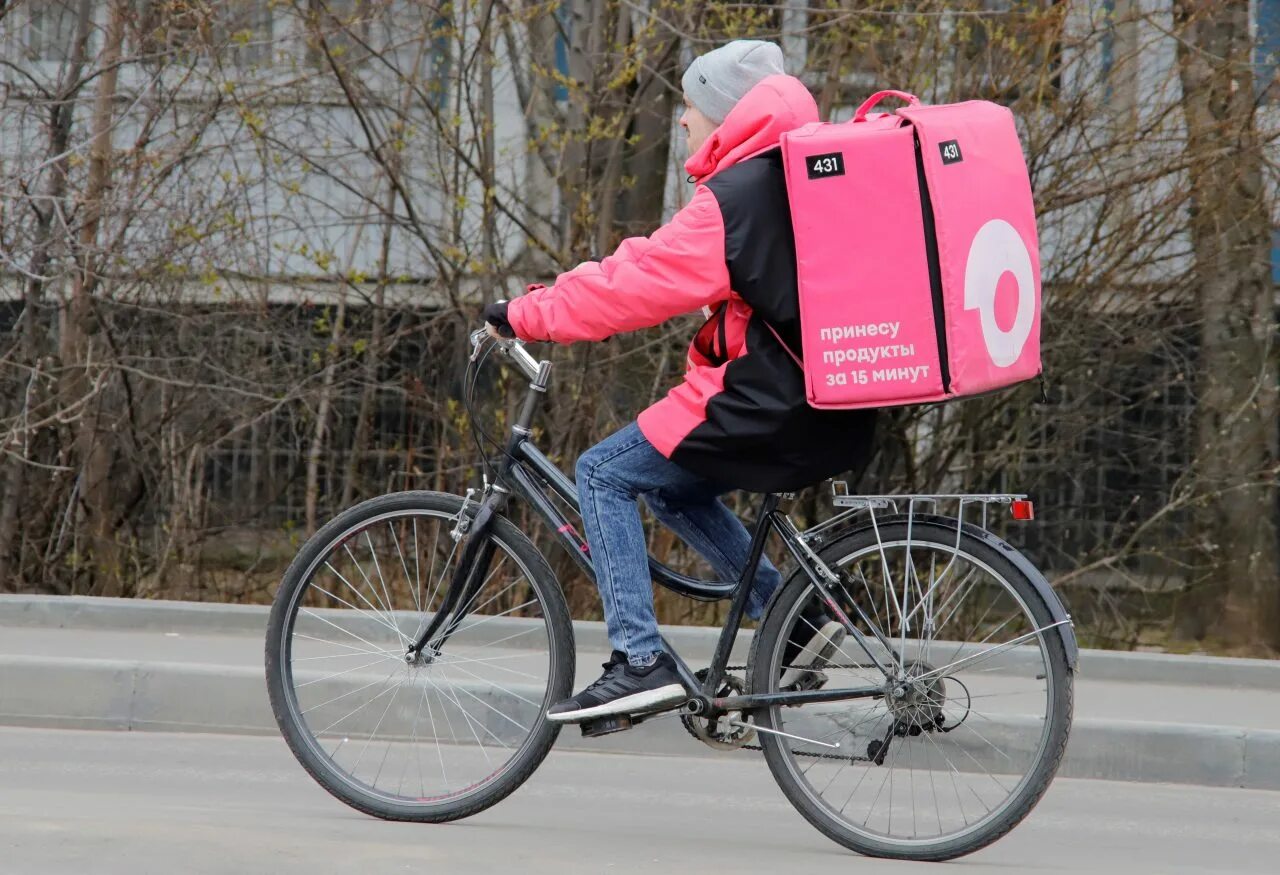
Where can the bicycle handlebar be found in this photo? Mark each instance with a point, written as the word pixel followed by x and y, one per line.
pixel 513 349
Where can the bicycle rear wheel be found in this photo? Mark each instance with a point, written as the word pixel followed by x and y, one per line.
pixel 968 732
pixel 405 741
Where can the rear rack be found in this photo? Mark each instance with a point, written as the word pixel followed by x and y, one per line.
pixel 841 497
pixel 910 504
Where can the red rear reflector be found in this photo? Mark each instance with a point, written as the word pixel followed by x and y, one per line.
pixel 1023 510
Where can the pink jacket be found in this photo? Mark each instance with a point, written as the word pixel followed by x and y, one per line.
pixel 678 269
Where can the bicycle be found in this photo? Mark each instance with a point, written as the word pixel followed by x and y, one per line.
pixel 933 730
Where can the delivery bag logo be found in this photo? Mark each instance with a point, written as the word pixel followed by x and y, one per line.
pixel 998 249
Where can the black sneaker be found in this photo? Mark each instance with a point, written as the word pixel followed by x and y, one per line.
pixel 624 689
pixel 815 638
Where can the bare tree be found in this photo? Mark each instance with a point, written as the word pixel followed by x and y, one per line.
pixel 1237 411
pixel 241 244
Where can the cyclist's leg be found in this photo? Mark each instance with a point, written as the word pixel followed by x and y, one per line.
pixel 611 476
pixel 639 677
pixel 693 510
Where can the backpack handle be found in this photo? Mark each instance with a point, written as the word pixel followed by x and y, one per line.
pixel 870 102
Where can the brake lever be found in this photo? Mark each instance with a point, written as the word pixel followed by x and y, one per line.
pixel 477 338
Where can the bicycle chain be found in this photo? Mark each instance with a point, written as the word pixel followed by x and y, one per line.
pixel 852 758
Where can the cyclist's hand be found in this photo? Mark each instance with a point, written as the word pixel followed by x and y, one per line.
pixel 495 317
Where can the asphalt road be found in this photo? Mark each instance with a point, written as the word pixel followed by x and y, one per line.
pixel 105 802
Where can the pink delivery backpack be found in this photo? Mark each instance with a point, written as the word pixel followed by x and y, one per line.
pixel 919 266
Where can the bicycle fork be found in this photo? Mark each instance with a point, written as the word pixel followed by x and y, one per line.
pixel 477 554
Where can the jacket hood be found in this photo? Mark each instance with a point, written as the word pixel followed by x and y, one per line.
pixel 775 105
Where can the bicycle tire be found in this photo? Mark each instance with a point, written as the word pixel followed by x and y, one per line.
pixel 278 672
pixel 760 672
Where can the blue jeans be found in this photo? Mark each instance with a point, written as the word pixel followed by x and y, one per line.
pixel 612 475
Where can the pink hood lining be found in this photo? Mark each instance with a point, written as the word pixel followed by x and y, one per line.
pixel 775 105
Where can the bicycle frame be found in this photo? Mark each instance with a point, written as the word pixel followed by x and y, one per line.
pixel 527 472
pixel 527 464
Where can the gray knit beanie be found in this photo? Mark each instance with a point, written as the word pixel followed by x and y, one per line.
pixel 717 80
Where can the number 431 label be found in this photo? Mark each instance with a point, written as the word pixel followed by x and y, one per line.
pixel 950 152
pixel 822 166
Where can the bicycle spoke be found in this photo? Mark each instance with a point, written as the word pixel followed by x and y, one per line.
pixel 373 589
pixel 342 696
pixel 489 617
pixel 501 714
pixel 346 631
pixel 378 614
pixel 512 637
pixel 413 738
pixel 844 656
pixel 376 727
pixel 953 772
pixel 417 569
pixel 382 581
pixel 358 708
pixel 361 611
pixel 469 720
pixel 962 589
pixel 467 713
pixel 456 660
pixel 417 606
pixel 444 773
pixel 987 654
pixel 391 654
pixel 443 572
pixel 496 686
pixel 338 674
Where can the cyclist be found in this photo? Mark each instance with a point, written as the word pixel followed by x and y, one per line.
pixel 739 419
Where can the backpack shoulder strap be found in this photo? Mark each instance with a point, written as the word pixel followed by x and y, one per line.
pixel 795 358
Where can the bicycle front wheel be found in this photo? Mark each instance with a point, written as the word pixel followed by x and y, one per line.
pixel 974 710
pixel 403 739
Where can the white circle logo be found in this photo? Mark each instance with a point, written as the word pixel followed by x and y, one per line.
pixel 997 248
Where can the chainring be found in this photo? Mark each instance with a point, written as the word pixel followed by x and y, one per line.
pixel 717 732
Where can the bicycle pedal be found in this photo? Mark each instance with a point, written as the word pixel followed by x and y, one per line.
pixel 606 725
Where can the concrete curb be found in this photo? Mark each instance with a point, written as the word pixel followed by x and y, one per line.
pixel 186 697
pixel 691 641
pixel 68 692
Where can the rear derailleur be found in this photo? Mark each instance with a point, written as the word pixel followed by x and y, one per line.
pixel 917 708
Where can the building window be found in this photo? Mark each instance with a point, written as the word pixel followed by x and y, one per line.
pixel 236 32
pixel 1013 51
pixel 1266 17
pixel 441 60
pixel 50 30
pixel 338 29
pixel 172 30
pixel 1266 21
pixel 1119 49
pixel 244 29
pixel 564 23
